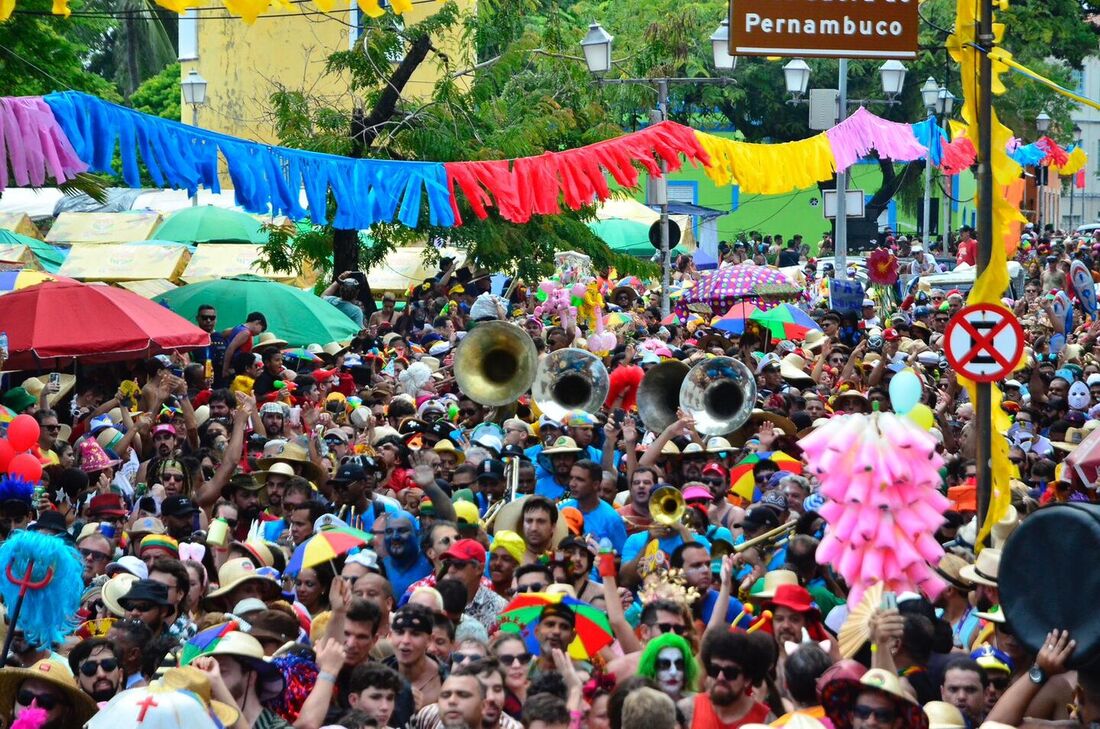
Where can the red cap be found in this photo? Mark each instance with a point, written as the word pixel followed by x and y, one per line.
pixel 320 375
pixel 466 550
pixel 890 335
pixel 715 468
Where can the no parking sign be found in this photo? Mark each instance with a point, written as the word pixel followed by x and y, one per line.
pixel 984 342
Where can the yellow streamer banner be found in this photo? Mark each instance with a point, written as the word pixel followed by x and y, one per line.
pixel 768 169
pixel 990 286
pixel 249 10
pixel 1077 161
pixel 1003 58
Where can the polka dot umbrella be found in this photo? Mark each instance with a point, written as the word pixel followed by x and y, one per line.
pixel 763 286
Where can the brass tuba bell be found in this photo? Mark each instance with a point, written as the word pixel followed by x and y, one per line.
pixel 666 506
pixel 570 379
pixel 720 394
pixel 659 394
pixel 495 363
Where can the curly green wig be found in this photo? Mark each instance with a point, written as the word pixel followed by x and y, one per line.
pixel 647 664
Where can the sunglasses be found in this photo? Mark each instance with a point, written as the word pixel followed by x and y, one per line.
pixel 92 554
pixel 52 428
pixel 508 660
pixel 465 657
pixel 46 702
pixel 537 587
pixel 664 664
pixel 671 628
pixel 142 607
pixel 713 481
pixel 882 716
pixel 205 317
pixel 89 668
pixel 731 673
pixel 172 477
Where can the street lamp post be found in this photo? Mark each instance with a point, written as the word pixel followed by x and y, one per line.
pixel 1042 125
pixel 194 93
pixel 796 76
pixel 945 105
pixel 1077 142
pixel 930 94
pixel 597 46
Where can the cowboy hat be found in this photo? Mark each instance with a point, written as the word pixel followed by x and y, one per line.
pixel 772 580
pixel 332 350
pixel 236 572
pixel 35 385
pixel 839 696
pixel 985 568
pixel 293 454
pixel 58 676
pixel 942 715
pixel 191 679
pixel 267 339
pixel 446 446
pixel 814 339
pixel 1074 436
pixel 562 444
pixel 793 367
pixel 279 468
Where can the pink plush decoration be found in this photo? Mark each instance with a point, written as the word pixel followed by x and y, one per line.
pixel 31 718
pixel 880 473
pixel 857 135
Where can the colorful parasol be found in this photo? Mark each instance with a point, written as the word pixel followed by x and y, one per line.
pixel 204 641
pixel 324 546
pixel 617 319
pixel 733 321
pixel 742 482
pixel 301 353
pixel 522 616
pixel 760 285
pixel 671 319
pixel 786 321
pixel 15 280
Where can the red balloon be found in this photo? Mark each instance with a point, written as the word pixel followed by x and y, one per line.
pixel 26 467
pixel 23 432
pixel 6 453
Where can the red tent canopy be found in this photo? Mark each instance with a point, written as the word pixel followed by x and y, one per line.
pixel 55 322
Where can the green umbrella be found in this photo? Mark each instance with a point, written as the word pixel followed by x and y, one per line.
pixel 206 224
pixel 297 316
pixel 50 257
pixel 628 237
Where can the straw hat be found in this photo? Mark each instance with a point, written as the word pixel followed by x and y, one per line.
pixel 446 446
pixel 278 468
pixel 793 367
pixel 563 444
pixel 332 350
pixel 984 570
pixel 1074 436
pixel 1005 526
pixel 814 339
pixel 772 580
pixel 114 590
pixel 54 673
pixel 236 572
pixel 268 339
pixel 942 715
pixel 839 696
pixel 509 515
pixel 293 454
pixel 248 651
pixel 35 385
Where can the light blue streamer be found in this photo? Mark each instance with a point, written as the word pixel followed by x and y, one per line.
pixel 932 136
pixel 266 179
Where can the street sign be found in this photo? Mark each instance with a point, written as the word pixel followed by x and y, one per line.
pixel 983 342
pixel 673 234
pixel 854 199
pixel 883 29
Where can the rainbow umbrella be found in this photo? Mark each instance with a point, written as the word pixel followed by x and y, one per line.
pixel 204 641
pixel 325 546
pixel 742 481
pixel 15 280
pixel 616 319
pixel 301 353
pixel 786 322
pixel 733 321
pixel 523 613
pixel 671 319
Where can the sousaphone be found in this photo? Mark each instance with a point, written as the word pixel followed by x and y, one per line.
pixel 570 379
pixel 495 363
pixel 720 394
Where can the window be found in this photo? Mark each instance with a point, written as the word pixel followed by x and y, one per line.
pixel 683 192
pixel 189 36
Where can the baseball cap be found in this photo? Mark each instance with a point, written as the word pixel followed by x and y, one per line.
pixel 715 469
pixel 466 550
pixel 178 506
pixel 355 469
pixel 164 428
pixel 491 469
pixel 130 564
pixel 760 517
pixel 868 302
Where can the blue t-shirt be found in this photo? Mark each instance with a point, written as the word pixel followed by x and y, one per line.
pixel 635 544
pixel 348 309
pixel 709 601
pixel 545 485
pixel 601 522
pixel 400 579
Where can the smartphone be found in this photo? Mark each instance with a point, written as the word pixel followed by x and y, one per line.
pixel 619 415
pixel 55 378
pixel 889 601
pixel 176 371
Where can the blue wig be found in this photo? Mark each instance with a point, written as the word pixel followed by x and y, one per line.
pixel 48 613
pixel 14 488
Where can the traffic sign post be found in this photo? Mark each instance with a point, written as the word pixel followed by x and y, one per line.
pixel 983 342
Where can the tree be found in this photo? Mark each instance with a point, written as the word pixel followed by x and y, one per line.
pixel 138 44
pixel 160 95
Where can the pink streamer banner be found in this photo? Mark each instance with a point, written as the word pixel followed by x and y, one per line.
pixel 857 135
pixel 33 148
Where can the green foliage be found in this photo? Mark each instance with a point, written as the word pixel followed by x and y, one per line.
pixel 160 94
pixel 40 53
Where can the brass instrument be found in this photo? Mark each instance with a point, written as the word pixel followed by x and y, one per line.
pixel 773 536
pixel 666 506
pixel 720 394
pixel 511 477
pixel 659 394
pixel 570 379
pixel 495 363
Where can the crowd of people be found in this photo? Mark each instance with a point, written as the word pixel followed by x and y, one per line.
pixel 514 567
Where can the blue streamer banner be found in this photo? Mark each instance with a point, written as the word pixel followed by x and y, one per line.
pixel 266 179
pixel 932 136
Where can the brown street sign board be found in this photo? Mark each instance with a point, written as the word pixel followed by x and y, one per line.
pixel 824 28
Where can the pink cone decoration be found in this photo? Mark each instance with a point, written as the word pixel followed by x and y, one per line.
pixel 880 473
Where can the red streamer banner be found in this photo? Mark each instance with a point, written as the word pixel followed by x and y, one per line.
pixel 529 186
pixel 958 155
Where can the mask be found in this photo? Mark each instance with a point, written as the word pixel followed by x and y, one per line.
pixel 398 538
pixel 1079 397
pixel 670 670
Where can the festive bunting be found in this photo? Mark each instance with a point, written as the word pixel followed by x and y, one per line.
pixel 1075 162
pixel 768 169
pixel 32 146
pixel 533 185
pixel 958 155
pixel 857 135
pixel 931 135
pixel 266 179
pixel 249 10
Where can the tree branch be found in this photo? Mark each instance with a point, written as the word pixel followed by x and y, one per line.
pixel 386 105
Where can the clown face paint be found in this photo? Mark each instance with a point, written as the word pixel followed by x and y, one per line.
pixel 670 671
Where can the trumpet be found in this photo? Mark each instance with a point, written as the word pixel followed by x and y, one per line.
pixel 511 477
pixel 773 537
pixel 666 506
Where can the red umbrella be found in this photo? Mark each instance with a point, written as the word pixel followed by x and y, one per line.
pixel 54 322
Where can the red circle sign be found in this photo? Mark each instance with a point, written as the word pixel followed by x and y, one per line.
pixel 983 342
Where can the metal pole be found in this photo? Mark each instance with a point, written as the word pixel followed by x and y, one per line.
pixel 662 104
pixel 927 232
pixel 983 407
pixel 1072 227
pixel 945 217
pixel 842 182
pixel 195 123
